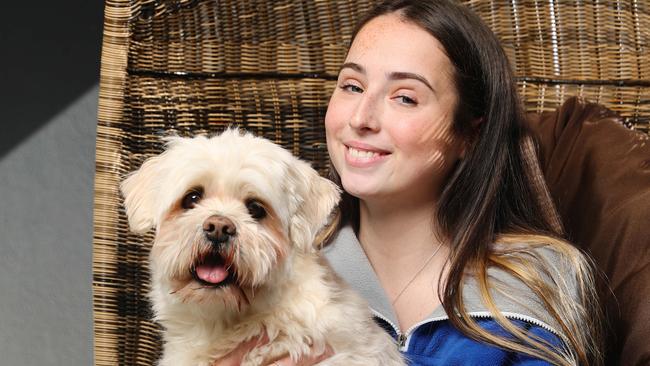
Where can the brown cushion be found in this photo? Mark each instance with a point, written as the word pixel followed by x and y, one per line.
pixel 598 172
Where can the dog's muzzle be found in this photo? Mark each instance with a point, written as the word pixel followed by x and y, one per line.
pixel 218 229
pixel 213 271
pixel 214 268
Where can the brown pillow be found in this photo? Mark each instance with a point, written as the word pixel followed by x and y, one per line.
pixel 598 172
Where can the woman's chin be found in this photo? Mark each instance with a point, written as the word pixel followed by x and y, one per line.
pixel 362 190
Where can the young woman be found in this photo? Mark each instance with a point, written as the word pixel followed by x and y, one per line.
pixel 441 228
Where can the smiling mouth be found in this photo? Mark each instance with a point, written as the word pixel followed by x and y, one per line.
pixel 357 155
pixel 212 271
pixel 363 154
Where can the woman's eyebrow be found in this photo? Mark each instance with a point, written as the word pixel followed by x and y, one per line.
pixel 399 75
pixel 354 66
pixel 395 75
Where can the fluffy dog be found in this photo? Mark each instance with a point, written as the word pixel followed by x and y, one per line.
pixel 236 218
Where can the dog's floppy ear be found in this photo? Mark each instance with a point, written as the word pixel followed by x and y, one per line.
pixel 316 198
pixel 140 191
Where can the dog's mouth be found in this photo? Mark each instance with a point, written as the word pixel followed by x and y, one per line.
pixel 212 271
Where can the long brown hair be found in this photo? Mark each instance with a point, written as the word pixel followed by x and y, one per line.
pixel 491 196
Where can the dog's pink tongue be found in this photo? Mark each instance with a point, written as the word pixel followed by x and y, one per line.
pixel 212 273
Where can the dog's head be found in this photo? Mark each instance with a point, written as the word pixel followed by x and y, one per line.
pixel 228 211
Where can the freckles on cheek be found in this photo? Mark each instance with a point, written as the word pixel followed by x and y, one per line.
pixel 330 133
pixel 336 115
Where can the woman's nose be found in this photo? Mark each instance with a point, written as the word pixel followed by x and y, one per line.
pixel 364 116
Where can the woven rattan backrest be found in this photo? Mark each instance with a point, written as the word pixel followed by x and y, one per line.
pixel 195 66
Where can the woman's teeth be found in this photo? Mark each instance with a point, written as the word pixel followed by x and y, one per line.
pixel 362 154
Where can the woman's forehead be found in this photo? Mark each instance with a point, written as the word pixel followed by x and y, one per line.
pixel 389 44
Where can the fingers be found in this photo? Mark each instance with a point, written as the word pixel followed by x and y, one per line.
pixel 307 360
pixel 235 357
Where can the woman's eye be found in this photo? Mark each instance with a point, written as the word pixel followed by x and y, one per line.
pixel 191 198
pixel 351 88
pixel 406 100
pixel 255 209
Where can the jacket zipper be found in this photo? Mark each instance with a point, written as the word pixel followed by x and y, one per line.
pixel 515 316
pixel 404 345
pixel 403 339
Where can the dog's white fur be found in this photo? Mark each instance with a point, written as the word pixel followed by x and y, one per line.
pixel 282 286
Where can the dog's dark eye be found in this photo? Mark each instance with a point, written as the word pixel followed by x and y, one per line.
pixel 191 198
pixel 255 209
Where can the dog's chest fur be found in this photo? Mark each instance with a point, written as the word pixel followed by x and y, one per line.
pixel 310 309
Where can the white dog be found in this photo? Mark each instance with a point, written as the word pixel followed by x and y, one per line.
pixel 236 218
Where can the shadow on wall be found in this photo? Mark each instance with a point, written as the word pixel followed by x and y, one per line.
pixel 51 55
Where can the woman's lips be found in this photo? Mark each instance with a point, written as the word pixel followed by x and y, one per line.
pixel 361 155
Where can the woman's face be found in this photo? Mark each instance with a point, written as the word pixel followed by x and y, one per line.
pixel 389 120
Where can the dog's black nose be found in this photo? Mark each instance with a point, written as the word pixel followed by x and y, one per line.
pixel 218 229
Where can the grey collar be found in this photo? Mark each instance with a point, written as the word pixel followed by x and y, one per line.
pixel 348 259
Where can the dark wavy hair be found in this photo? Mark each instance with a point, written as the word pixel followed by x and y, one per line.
pixel 491 193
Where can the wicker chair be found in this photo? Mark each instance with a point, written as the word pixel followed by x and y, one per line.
pixel 193 66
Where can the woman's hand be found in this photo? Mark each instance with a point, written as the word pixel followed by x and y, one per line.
pixel 235 357
pixel 309 360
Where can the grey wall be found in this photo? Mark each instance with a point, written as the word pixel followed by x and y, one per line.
pixel 46 186
pixel 49 69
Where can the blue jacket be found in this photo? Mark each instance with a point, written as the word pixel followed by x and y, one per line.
pixel 434 341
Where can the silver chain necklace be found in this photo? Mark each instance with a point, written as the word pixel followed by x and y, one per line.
pixel 416 274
